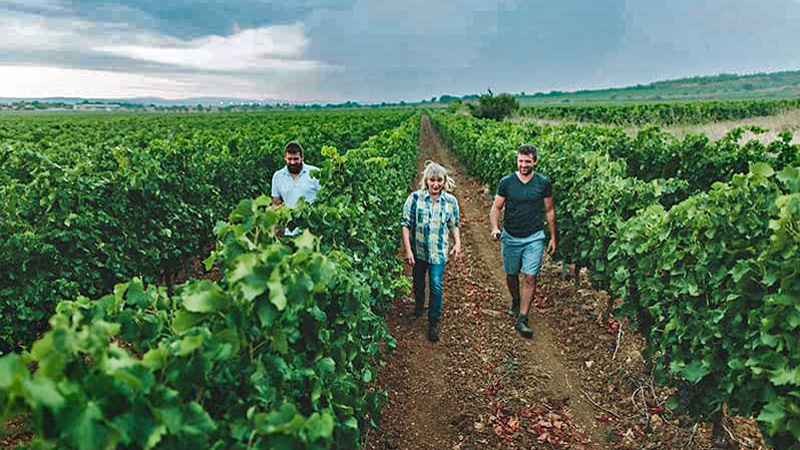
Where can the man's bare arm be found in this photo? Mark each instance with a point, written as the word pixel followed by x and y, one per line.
pixel 494 215
pixel 550 213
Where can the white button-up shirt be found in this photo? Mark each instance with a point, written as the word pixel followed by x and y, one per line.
pixel 290 190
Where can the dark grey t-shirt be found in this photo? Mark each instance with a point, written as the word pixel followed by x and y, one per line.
pixel 524 203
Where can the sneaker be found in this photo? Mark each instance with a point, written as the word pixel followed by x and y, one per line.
pixel 514 310
pixel 522 327
pixel 433 330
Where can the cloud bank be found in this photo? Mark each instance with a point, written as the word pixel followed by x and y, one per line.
pixel 372 51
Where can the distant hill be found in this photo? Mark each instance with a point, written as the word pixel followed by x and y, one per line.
pixel 777 85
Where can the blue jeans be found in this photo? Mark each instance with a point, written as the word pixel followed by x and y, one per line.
pixel 435 275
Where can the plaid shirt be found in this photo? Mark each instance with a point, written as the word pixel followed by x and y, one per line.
pixel 429 224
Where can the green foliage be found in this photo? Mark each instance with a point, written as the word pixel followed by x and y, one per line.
pixel 708 270
pixel 696 160
pixel 713 285
pixel 495 107
pixel 672 113
pixel 278 354
pixel 89 201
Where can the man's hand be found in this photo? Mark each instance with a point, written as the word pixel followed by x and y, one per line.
pixel 494 216
pixel 551 247
pixel 409 259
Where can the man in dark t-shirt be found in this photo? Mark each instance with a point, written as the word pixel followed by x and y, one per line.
pixel 528 200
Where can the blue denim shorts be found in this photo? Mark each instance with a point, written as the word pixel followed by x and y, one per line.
pixel 523 254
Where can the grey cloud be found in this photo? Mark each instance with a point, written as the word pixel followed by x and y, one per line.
pixel 108 62
pixel 686 38
pixel 408 50
pixel 182 18
pixel 41 7
pixel 73 59
pixel 466 46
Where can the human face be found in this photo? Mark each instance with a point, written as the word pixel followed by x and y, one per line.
pixel 525 164
pixel 435 185
pixel 294 162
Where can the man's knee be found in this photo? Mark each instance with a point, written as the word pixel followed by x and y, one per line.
pixel 530 280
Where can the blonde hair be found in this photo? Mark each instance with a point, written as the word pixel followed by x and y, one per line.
pixel 433 170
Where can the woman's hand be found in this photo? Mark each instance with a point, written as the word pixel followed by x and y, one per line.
pixel 409 259
pixel 456 252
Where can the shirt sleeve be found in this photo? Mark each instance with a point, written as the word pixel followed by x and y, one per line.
pixel 275 191
pixel 454 221
pixel 406 220
pixel 548 189
pixel 313 190
pixel 502 188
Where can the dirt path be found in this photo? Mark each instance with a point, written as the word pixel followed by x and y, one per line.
pixel 578 384
pixel 482 383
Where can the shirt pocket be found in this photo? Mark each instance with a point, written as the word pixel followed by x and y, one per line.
pixel 419 216
pixel 447 215
pixel 438 217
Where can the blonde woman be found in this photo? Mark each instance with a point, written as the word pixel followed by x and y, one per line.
pixel 430 215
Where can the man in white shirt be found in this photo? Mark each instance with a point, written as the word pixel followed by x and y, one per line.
pixel 294 181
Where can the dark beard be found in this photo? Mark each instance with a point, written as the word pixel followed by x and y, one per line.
pixel 295 168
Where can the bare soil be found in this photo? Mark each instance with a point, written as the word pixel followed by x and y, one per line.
pixel 578 384
pixel 776 124
pixel 15 432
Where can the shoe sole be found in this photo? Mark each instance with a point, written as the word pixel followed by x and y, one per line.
pixel 525 334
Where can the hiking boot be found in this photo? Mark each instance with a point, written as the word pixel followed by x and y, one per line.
pixel 522 327
pixel 433 330
pixel 514 310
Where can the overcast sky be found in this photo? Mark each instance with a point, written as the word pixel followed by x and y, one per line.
pixel 384 50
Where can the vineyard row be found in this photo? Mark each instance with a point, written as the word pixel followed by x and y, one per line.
pixel 280 353
pixel 90 201
pixel 707 268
